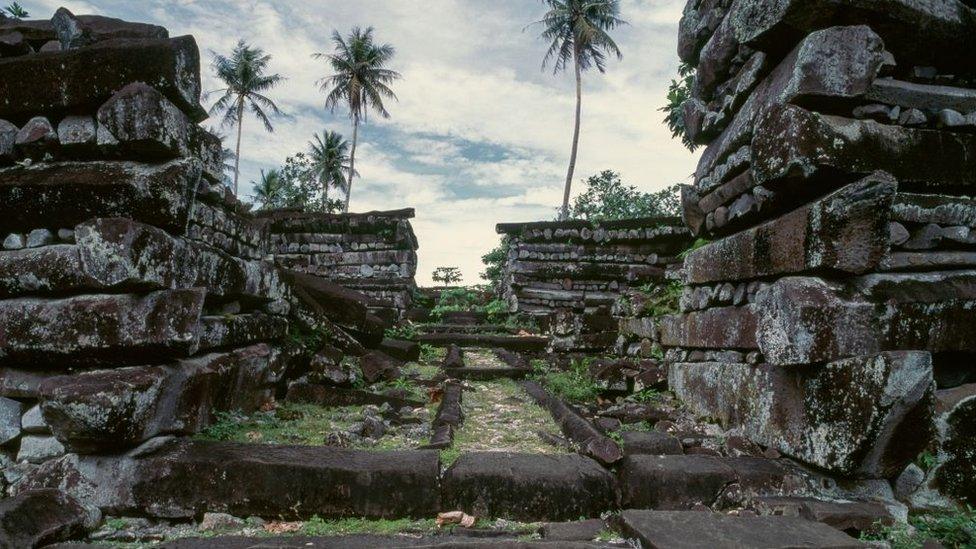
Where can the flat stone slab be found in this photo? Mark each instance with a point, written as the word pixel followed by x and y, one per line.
pixel 74 192
pixel 512 343
pixel 87 329
pixel 528 487
pixel 694 530
pixel 673 482
pixel 82 79
pixel 185 478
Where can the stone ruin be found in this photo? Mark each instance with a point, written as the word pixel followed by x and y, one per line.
pixel 374 253
pixel 138 298
pixel 570 274
pixel 833 314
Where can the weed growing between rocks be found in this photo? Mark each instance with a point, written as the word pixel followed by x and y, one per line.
pixel 574 384
pixel 953 529
pixel 360 427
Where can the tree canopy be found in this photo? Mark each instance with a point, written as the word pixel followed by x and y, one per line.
pixel 608 198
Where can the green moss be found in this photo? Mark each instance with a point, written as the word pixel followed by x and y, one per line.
pixel 317 526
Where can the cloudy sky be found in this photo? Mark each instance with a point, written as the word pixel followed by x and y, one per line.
pixel 480 134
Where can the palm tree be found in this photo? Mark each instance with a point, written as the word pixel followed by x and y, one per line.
pixel 17 11
pixel 244 75
pixel 577 31
pixel 330 162
pixel 360 81
pixel 270 190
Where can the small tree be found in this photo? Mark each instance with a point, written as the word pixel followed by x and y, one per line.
pixel 607 198
pixel 447 275
pixel 679 92
pixel 495 263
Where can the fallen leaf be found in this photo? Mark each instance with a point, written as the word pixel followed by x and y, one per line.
pixel 277 527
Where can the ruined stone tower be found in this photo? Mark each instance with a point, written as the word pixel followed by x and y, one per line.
pixel 835 303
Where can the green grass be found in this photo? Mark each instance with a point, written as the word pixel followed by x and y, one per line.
pixel 352 526
pixel 300 424
pixel 954 529
pixel 573 385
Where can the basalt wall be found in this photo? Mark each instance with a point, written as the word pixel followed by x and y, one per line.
pixel 374 253
pixel 835 302
pixel 138 297
pixel 570 274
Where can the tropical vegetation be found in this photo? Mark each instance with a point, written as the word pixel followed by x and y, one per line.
pixel 607 198
pixel 679 92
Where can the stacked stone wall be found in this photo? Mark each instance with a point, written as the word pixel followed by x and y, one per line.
pixel 374 253
pixel 570 274
pixel 835 304
pixel 138 297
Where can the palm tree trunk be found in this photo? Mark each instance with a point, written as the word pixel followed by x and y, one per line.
pixel 237 157
pixel 352 160
pixel 564 212
pixel 325 194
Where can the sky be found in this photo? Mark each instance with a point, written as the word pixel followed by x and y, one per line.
pixel 480 135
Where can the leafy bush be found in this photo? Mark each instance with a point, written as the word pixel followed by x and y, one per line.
pixel 954 529
pixel 607 198
pixel 495 263
pixel 404 331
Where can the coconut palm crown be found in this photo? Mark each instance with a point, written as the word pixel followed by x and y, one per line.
pixel 578 35
pixel 360 82
pixel 329 155
pixel 246 81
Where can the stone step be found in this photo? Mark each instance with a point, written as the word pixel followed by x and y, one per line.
pixel 511 343
pixel 181 479
pixel 696 530
pixel 674 482
pixel 528 487
pixel 486 374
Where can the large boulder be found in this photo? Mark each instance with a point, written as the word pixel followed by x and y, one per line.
pixel 41 517
pixel 866 417
pixel 82 79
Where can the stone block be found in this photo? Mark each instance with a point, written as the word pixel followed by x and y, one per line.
pixel 181 479
pixel 10 419
pixel 144 124
pixel 41 517
pixel 846 231
pixel 528 486
pixel 794 143
pixel 72 193
pixel 849 417
pixel 112 328
pixel 80 80
pixel 694 529
pixel 109 410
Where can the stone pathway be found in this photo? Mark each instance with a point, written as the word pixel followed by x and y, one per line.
pixel 500 416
